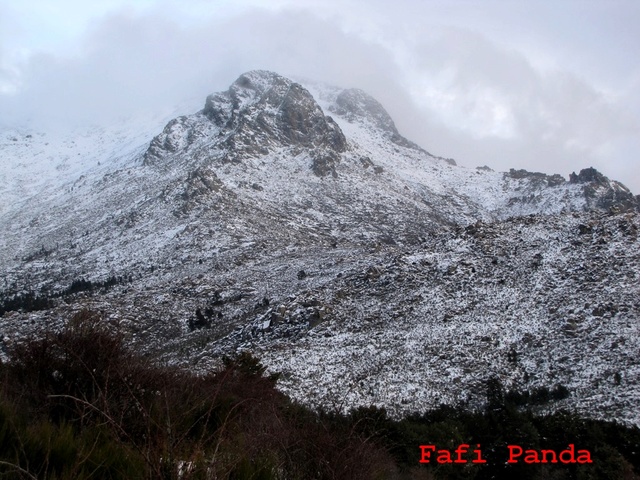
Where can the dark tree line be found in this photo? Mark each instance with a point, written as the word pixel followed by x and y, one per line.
pixel 31 301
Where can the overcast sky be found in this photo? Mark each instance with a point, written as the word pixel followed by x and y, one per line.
pixel 546 85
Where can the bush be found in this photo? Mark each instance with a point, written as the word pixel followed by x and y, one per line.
pixel 78 403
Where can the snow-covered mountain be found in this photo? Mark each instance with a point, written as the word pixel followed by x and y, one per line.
pixel 296 221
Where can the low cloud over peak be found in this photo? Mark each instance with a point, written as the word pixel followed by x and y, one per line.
pixel 453 87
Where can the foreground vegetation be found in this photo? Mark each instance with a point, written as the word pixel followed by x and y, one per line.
pixel 79 404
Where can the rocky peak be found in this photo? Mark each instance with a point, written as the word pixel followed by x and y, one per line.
pixel 354 105
pixel 259 112
pixel 588 175
pixel 605 194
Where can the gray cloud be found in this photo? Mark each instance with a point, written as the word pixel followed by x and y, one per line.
pixel 483 103
pixel 132 62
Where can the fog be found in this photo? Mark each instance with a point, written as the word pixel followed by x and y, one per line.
pixel 551 89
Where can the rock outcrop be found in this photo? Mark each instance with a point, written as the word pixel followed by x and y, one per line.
pixel 261 111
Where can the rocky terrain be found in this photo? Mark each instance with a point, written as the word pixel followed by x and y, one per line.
pixel 295 221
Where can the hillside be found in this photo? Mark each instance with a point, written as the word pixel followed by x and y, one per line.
pixel 297 222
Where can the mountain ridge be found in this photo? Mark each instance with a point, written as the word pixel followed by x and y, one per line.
pixel 300 224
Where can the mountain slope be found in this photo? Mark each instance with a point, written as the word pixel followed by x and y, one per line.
pixel 297 222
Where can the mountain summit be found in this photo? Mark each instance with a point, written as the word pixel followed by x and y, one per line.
pixel 292 219
pixel 260 112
